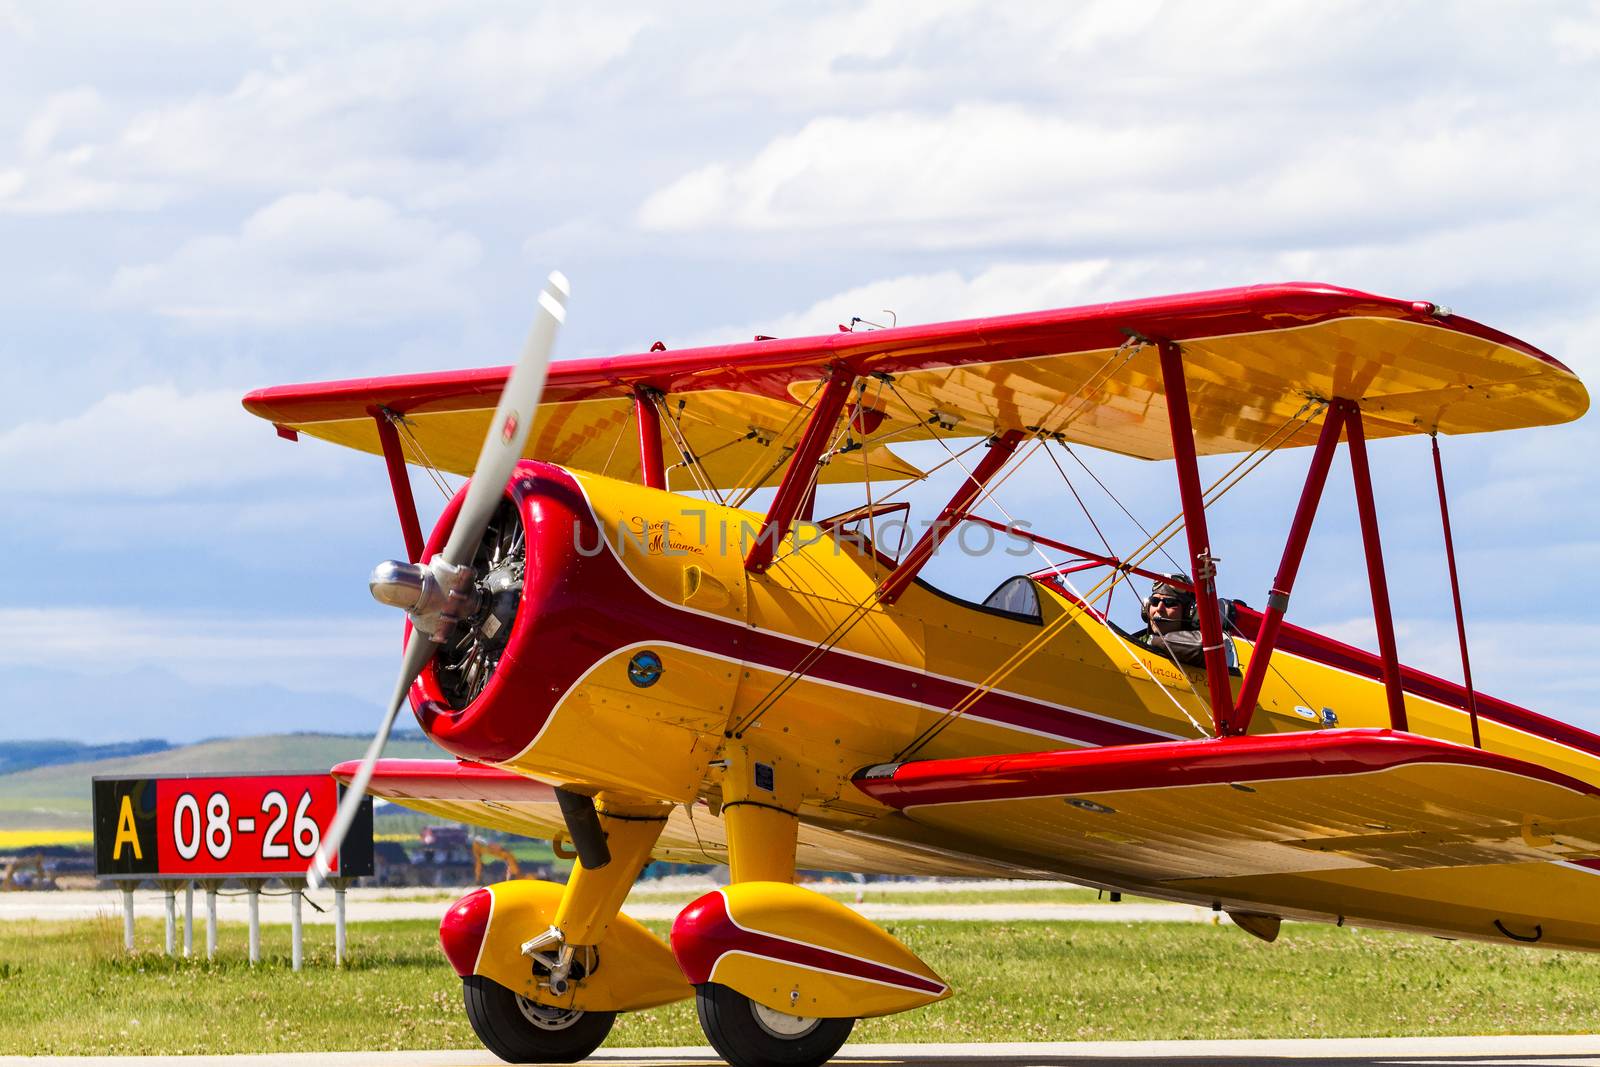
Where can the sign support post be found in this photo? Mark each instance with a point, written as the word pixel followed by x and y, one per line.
pixel 296 952
pixel 339 885
pixel 211 886
pixel 169 892
pixel 127 915
pixel 188 919
pixel 253 891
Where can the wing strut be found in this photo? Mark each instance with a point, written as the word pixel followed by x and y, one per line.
pixel 796 486
pixel 648 416
pixel 1455 595
pixel 1203 564
pixel 400 483
pixel 1356 439
pixel 1293 549
pixel 1000 450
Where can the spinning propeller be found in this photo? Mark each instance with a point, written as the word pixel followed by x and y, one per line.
pixel 439 594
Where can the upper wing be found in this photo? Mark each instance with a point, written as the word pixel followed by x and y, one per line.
pixel 1252 356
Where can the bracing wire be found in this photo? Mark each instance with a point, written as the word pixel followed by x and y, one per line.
pixel 627 421
pixel 691 461
pixel 1086 514
pixel 990 495
pixel 781 441
pixel 435 475
pixel 1107 490
pixel 1152 544
pixel 839 631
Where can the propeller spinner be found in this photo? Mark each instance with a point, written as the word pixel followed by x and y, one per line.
pixel 440 593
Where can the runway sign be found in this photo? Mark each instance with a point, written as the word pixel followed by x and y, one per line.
pixel 223 826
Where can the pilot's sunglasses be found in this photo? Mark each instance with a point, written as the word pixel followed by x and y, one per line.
pixel 1165 602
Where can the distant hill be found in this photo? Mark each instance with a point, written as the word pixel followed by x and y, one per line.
pixel 57 796
pixel 151 702
pixel 23 755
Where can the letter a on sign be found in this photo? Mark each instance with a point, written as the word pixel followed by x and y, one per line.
pixel 126 837
pixel 126 831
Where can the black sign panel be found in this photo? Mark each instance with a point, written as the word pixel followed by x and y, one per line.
pixel 125 826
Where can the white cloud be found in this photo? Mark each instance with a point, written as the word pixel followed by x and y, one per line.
pixel 150 442
pixel 417 104
pixel 16 20
pixel 1288 64
pixel 1004 175
pixel 60 151
pixel 70 116
pixel 310 257
pixel 971 168
pixel 936 297
pixel 1577 40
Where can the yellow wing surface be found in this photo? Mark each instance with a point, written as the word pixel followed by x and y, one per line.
pixel 1252 357
pixel 1376 827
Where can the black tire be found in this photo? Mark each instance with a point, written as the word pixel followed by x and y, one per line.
pixel 520 1031
pixel 748 1035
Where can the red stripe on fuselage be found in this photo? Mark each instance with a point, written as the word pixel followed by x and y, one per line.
pixel 599 608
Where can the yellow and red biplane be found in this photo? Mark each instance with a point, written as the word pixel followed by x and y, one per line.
pixel 619 651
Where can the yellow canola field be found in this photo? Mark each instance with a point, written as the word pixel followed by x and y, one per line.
pixel 10 839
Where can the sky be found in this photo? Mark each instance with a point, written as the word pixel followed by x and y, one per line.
pixel 196 202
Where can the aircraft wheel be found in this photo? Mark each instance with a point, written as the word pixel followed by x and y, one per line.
pixel 747 1034
pixel 519 1030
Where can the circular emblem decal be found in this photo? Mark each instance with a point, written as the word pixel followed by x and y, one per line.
pixel 644 669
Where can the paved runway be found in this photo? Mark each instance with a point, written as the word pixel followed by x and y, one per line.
pixel 1564 1051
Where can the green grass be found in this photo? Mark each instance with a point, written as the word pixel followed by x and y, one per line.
pixel 67 988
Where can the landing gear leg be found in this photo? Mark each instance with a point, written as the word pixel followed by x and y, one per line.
pixel 593 897
pixel 760 802
pixel 760 805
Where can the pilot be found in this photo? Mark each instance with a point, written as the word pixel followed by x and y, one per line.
pixel 1172 621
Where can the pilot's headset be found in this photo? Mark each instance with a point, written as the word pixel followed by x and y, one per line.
pixel 1191 617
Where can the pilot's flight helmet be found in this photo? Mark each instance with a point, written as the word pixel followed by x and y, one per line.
pixel 1175 585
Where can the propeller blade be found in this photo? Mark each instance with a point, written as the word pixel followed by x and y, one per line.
pixel 508 432
pixel 419 650
pixel 501 449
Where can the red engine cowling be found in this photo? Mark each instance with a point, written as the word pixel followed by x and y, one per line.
pixel 574 609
